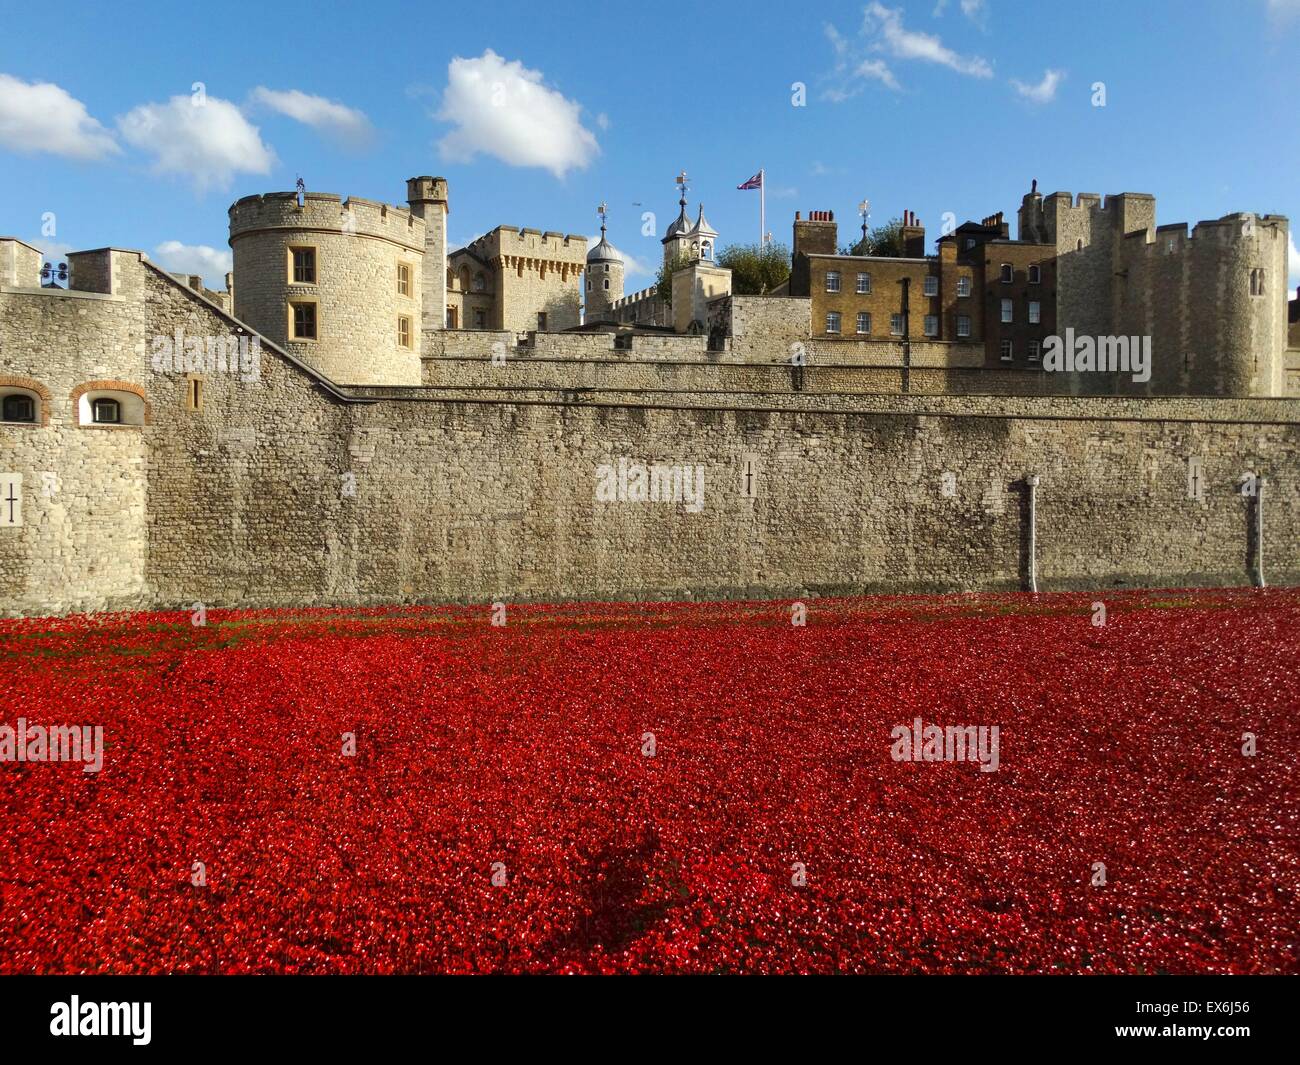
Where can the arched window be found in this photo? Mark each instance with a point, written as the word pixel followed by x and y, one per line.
pixel 108 404
pixel 480 282
pixel 707 249
pixel 19 407
pixel 106 411
pixel 24 401
pixel 464 278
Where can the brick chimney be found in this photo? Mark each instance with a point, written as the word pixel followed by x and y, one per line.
pixel 817 235
pixel 913 236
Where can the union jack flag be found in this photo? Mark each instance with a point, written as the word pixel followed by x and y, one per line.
pixel 756 182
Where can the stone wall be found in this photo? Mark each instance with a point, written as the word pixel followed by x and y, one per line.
pixel 20 263
pixel 82 544
pixel 289 490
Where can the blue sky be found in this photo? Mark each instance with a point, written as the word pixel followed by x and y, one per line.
pixel 535 115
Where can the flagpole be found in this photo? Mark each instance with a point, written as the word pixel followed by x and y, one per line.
pixel 762 208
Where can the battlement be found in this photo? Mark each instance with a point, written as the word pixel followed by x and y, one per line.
pixel 636 297
pixel 327 212
pixel 532 244
pixel 426 189
pixel 1092 201
pixel 1239 227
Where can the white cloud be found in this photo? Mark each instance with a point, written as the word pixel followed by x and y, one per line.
pixel 211 263
pixel 343 123
pixel 206 139
pixel 878 70
pixel 1283 9
pixel 53 251
pixel 637 267
pixel 41 117
pixel 1042 93
pixel 972 9
pixel 895 39
pixel 882 31
pixel 850 71
pixel 503 109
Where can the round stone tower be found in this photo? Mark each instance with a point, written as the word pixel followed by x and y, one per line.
pixel 335 283
pixel 604 278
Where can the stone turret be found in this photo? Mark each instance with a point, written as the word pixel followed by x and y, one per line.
pixel 338 283
pixel 604 278
pixel 427 197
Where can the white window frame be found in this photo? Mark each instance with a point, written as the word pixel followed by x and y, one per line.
pixel 864 285
pixel 1008 312
pixel 931 325
pixel 836 316
pixel 832 280
pixel 1007 351
pixel 1035 312
pixel 963 286
pixel 931 286
pixel 867 316
pixel 896 325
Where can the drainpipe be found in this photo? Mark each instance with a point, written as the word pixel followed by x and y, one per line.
pixel 906 282
pixel 1259 533
pixel 1032 482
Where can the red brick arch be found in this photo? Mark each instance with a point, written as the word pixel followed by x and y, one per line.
pixel 116 386
pixel 31 385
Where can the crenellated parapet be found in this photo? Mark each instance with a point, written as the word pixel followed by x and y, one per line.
pixel 327 212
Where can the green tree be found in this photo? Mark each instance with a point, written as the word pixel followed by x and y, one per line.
pixel 664 281
pixel 755 269
pixel 886 240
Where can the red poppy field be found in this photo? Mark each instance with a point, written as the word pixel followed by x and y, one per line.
pixel 660 788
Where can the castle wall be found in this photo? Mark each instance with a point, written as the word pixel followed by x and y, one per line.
pixel 82 544
pixel 497 500
pixel 247 501
pixel 643 308
pixel 719 378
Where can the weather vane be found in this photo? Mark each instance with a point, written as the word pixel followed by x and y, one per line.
pixel 864 209
pixel 602 210
pixel 681 184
